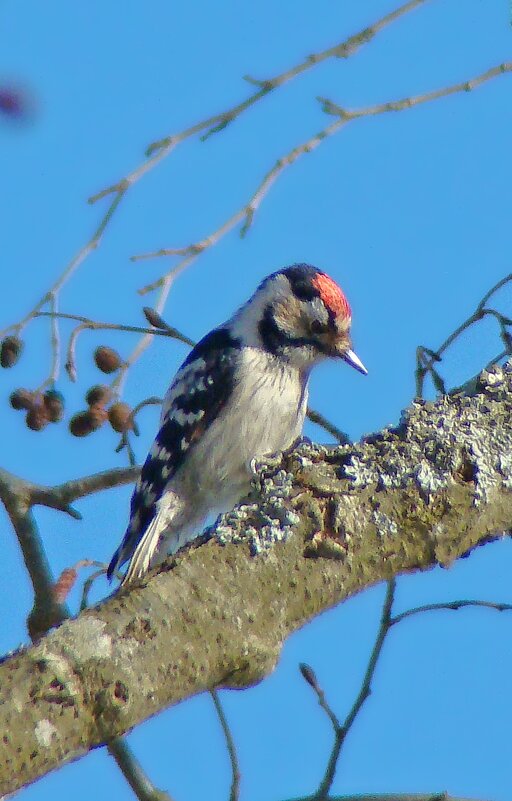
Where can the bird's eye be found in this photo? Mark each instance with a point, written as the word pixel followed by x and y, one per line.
pixel 317 327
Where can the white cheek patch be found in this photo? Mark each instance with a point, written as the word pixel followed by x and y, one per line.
pixel 320 313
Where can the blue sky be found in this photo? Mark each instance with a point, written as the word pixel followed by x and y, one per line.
pixel 410 212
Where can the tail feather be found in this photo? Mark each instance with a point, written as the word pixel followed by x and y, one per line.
pixel 142 559
pixel 114 563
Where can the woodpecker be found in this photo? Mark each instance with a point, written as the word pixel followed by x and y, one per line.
pixel 240 395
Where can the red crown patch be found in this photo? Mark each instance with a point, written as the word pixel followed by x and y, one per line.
pixel 332 295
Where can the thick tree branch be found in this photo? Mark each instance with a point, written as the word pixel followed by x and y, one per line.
pixel 406 499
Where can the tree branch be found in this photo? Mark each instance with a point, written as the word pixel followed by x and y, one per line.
pixel 403 500
pixel 246 213
pixel 390 797
pixel 341 730
pixel 452 606
pixel 18 497
pixel 48 610
pixel 234 792
pixel 131 769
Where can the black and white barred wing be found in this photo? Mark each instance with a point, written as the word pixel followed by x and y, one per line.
pixel 200 389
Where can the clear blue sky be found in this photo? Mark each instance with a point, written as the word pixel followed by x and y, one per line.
pixel 409 212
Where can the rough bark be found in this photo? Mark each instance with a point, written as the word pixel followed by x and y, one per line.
pixel 325 524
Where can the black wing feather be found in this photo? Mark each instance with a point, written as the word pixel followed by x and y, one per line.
pixel 206 389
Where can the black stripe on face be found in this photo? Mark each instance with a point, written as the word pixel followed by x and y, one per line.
pixel 276 340
pixel 271 335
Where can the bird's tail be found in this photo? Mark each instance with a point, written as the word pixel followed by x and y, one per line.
pixel 142 559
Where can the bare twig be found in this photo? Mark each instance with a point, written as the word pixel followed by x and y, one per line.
pixel 449 605
pixel 248 211
pixel 230 745
pixel 501 283
pixel 55 345
pixel 164 331
pixel 324 423
pixel 136 777
pixel 409 102
pixel 426 357
pixel 70 268
pixel 60 496
pixel 85 323
pixel 145 341
pixel 87 586
pixel 387 797
pixel 161 148
pixel 342 729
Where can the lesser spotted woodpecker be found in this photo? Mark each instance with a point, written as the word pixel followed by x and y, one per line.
pixel 241 394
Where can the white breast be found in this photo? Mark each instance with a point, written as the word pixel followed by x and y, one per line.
pixel 264 415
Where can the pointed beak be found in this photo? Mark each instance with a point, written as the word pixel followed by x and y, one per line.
pixel 350 357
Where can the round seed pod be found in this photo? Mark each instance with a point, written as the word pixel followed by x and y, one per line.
pixel 37 418
pixel 120 417
pixel 107 359
pixel 21 398
pixel 81 424
pixel 99 393
pixel 10 351
pixel 53 402
pixel 98 415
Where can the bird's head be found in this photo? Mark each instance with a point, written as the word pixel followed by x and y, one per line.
pixel 301 315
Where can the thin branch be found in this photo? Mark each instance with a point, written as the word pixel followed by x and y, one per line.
pixel 161 148
pixel 54 343
pixel 501 283
pixel 138 780
pixel 168 331
pixel 425 357
pixel 341 730
pixel 145 341
pixel 87 586
pixel 409 102
pixel 70 268
pixel 324 423
pixel 469 386
pixel 230 745
pixel 449 605
pixel 92 325
pixel 388 797
pixel 248 211
pixel 61 495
